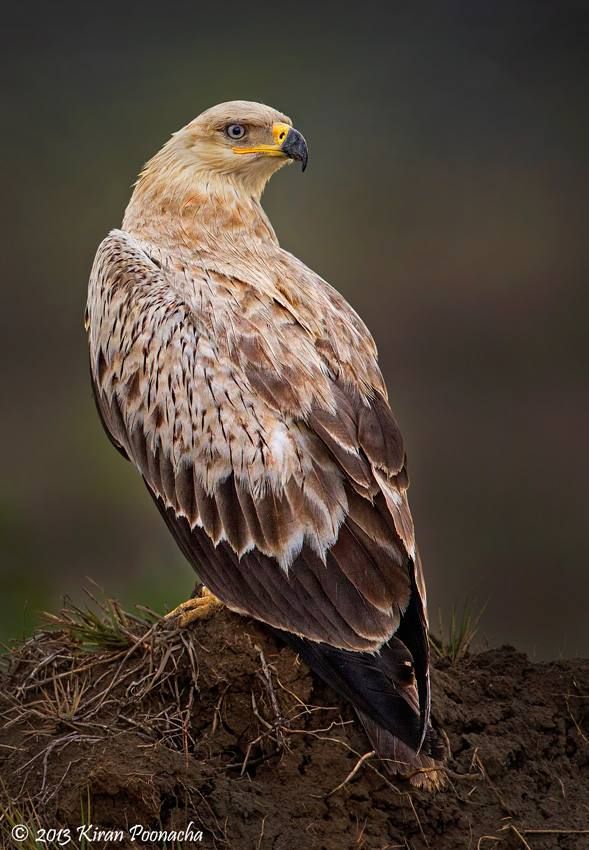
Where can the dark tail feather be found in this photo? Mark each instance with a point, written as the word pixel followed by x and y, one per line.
pixel 379 685
pixel 383 689
pixel 413 634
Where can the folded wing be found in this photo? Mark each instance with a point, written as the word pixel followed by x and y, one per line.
pixel 282 481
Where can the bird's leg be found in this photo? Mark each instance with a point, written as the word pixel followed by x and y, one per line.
pixel 196 608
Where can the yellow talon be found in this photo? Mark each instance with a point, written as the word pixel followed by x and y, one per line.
pixel 195 609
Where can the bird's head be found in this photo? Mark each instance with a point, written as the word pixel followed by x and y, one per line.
pixel 240 143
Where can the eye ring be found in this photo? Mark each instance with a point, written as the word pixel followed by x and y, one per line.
pixel 235 132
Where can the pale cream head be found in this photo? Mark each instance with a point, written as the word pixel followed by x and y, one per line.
pixel 239 144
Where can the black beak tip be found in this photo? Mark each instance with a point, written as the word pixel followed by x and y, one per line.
pixel 295 147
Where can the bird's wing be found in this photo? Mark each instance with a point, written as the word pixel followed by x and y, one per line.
pixel 283 484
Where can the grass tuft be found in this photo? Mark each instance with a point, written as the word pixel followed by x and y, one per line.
pixel 453 642
pixel 13 816
pixel 104 627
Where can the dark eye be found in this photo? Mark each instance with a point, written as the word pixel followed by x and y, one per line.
pixel 235 131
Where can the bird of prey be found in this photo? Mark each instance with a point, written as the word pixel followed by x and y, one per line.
pixel 247 393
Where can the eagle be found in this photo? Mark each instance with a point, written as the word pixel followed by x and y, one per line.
pixel 247 393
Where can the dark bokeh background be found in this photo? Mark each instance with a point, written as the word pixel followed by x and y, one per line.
pixel 446 199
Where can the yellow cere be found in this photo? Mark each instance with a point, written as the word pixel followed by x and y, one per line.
pixel 279 133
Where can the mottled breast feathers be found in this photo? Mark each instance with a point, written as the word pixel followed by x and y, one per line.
pixel 259 420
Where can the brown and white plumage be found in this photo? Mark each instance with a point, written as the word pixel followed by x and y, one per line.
pixel 247 392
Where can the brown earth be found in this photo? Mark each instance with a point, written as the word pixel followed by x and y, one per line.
pixel 218 725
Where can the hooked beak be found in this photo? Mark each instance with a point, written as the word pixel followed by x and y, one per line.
pixel 295 147
pixel 288 143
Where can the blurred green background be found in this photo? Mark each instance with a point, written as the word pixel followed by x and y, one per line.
pixel 445 198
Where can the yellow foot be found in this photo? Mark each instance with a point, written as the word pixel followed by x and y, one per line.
pixel 198 608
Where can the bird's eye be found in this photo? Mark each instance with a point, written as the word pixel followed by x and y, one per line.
pixel 235 131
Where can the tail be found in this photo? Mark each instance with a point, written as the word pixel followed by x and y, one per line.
pixel 389 690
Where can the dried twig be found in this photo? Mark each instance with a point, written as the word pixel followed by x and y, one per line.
pixel 353 772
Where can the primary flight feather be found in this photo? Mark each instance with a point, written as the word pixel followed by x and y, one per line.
pixel 247 392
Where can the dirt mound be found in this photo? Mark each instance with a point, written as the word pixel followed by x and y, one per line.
pixel 110 721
